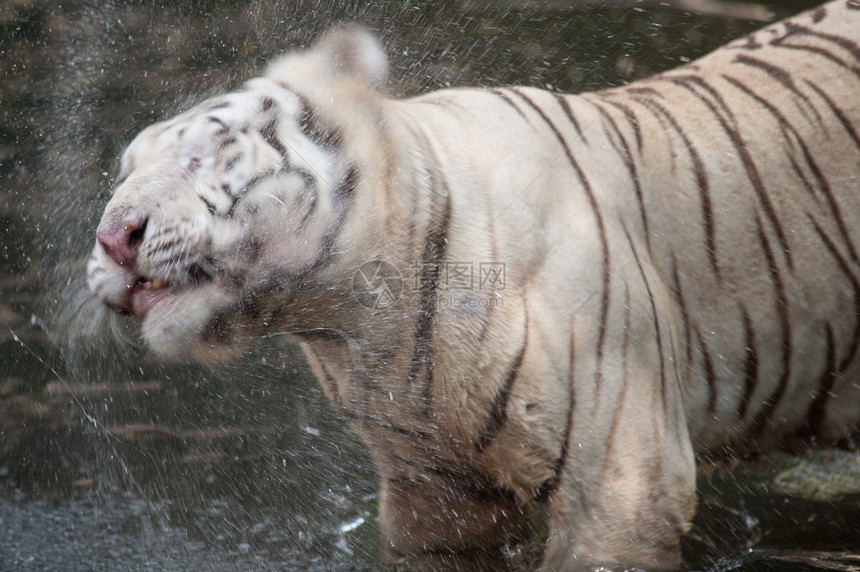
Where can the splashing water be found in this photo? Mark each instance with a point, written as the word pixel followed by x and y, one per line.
pixel 126 462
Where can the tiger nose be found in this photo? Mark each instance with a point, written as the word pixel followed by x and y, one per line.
pixel 122 244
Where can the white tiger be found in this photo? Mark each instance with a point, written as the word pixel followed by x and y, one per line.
pixel 583 294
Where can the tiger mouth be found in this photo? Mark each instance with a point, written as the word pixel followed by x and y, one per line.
pixel 145 292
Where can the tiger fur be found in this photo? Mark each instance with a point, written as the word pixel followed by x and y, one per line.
pixel 658 274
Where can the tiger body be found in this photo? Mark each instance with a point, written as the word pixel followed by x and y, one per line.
pixel 680 279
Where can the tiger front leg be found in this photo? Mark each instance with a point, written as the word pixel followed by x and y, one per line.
pixel 423 516
pixel 626 509
pixel 626 490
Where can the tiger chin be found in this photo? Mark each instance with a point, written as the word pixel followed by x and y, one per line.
pixel 514 295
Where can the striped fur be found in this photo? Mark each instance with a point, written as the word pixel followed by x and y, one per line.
pixel 658 274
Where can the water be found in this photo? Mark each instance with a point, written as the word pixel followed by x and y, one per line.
pixel 109 459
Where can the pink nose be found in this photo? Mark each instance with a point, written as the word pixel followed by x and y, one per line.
pixel 122 244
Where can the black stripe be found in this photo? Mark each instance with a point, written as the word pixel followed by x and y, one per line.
pixel 311 196
pixel 852 132
pixel 216 120
pixel 343 196
pixel 165 247
pixel 781 75
pixel 269 133
pixel 803 179
pixel 819 14
pixel 545 491
pixel 565 106
pixel 762 419
pixel 499 411
pixel 837 111
pixel 349 414
pixel 734 135
pixel 823 183
pixel 846 44
pixel 209 206
pixel 783 121
pixel 750 43
pixel 226 141
pixel 702 183
pixel 817 409
pixel 819 51
pixel 231 163
pixel 487 315
pixel 627 157
pixel 685 314
pixel 654 316
pixel 794 29
pixel 313 127
pixel 750 364
pixel 855 284
pixel 244 190
pixel 460 480
pixel 432 258
pixel 510 102
pixel 688 81
pixel 267 103
pixel 437 242
pixel 710 375
pixel 629 114
pixel 603 323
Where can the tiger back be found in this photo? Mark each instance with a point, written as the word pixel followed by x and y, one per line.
pixel 514 295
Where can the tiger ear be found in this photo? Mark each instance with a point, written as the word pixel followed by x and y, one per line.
pixel 353 52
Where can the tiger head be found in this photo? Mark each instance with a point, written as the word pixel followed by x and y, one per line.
pixel 223 214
